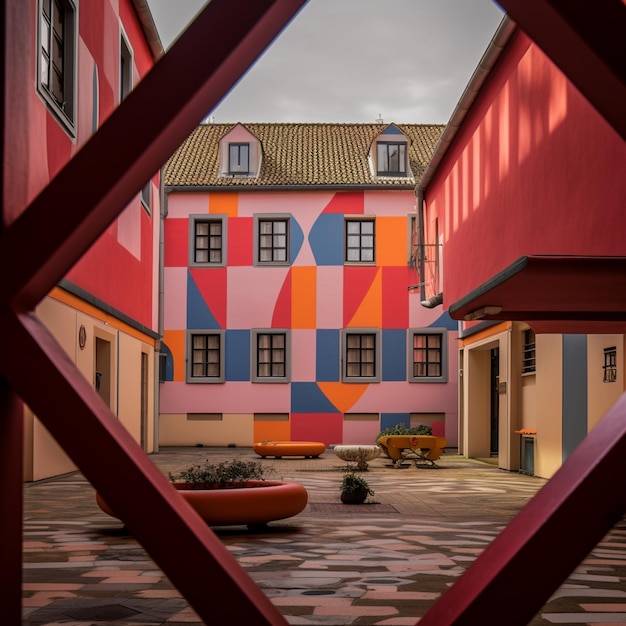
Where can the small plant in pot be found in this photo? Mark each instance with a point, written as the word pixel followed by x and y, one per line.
pixel 354 489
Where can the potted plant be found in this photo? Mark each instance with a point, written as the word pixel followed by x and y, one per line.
pixel 354 489
pixel 234 493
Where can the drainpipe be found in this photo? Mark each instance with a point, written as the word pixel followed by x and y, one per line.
pixel 160 323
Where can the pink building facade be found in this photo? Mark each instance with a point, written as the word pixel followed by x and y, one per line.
pixel 291 308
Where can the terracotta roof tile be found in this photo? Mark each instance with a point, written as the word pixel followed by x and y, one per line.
pixel 298 154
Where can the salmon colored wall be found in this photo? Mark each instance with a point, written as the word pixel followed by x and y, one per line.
pixel 534 169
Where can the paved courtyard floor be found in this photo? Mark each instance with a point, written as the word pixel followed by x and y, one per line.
pixel 385 562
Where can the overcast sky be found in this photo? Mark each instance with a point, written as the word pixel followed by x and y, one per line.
pixel 408 61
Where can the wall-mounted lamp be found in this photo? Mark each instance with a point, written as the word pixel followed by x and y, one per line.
pixel 481 313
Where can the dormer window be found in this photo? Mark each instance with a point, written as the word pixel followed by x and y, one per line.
pixel 391 158
pixel 239 158
pixel 240 153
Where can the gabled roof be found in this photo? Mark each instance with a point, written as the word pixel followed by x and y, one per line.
pixel 300 154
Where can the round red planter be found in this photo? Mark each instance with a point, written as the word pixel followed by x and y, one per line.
pixel 256 504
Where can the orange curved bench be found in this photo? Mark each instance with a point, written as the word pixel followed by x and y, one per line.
pixel 278 449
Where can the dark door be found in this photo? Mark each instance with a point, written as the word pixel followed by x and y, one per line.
pixel 495 400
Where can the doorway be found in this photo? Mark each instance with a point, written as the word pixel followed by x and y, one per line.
pixel 494 402
pixel 102 380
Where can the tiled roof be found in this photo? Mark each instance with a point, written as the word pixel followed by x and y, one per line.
pixel 297 154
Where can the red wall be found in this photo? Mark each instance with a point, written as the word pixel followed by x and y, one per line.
pixel 533 170
pixel 37 147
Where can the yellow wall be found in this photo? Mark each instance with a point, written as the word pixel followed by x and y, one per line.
pixel 178 430
pixel 602 396
pixel 63 316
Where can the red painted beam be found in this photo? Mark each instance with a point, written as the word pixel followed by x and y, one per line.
pixel 585 40
pixel 517 574
pixel 186 84
pixel 219 590
pixel 11 499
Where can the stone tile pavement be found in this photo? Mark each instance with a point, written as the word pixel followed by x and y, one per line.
pixel 383 563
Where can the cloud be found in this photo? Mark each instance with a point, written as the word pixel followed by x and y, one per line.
pixel 351 60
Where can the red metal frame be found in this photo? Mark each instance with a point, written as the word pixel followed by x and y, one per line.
pixel 40 249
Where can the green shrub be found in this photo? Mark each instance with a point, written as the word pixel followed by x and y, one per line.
pixel 352 482
pixel 403 429
pixel 224 475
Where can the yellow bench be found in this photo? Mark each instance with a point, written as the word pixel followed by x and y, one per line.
pixel 423 450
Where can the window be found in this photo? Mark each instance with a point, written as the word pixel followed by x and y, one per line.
pixel 391 158
pixel 272 240
pixel 207 240
pixel 428 355
pixel 271 356
pixel 205 357
pixel 126 68
pixel 239 158
pixel 610 365
pixel 528 352
pixel 146 196
pixel 360 241
pixel 57 58
pixel 360 355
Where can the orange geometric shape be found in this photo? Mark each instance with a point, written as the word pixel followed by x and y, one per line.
pixel 342 396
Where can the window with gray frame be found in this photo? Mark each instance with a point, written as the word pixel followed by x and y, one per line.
pixel 207 240
pixel 272 240
pixel 270 355
pixel 360 240
pixel 528 352
pixel 205 355
pixel 610 365
pixel 57 26
pixel 361 349
pixel 428 355
pixel 238 158
pixel 126 68
pixel 391 158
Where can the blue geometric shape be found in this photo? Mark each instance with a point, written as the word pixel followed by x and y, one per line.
pixel 327 355
pixel 309 398
pixel 167 373
pixel 394 354
pixel 389 420
pixel 198 313
pixel 296 239
pixel 237 355
pixel 445 321
pixel 326 239
pixel 392 129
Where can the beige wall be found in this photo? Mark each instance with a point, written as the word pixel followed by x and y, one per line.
pixel 177 429
pixel 549 405
pixel 43 457
pixel 602 396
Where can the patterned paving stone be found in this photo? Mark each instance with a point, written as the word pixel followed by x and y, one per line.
pixel 384 563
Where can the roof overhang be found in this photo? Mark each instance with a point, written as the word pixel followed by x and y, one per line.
pixel 560 294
